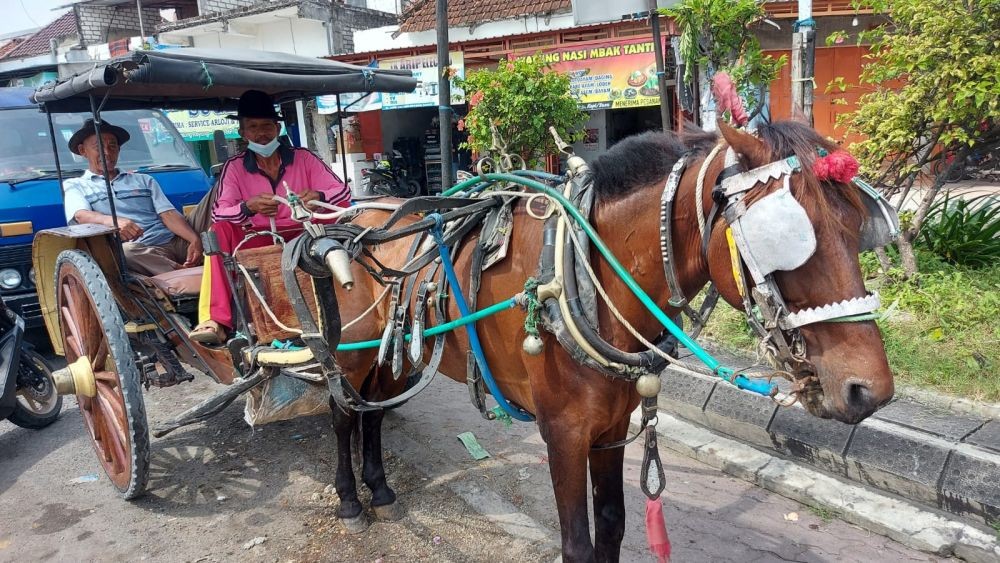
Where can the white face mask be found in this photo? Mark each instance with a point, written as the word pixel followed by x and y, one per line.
pixel 264 150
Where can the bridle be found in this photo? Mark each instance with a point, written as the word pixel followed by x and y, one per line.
pixel 771 234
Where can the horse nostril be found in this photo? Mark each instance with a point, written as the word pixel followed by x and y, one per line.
pixel 860 397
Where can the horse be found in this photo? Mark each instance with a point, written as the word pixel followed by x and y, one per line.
pixel 844 373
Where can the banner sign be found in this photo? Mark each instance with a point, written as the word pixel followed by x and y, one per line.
pixel 617 74
pixel 201 125
pixel 425 70
pixel 351 102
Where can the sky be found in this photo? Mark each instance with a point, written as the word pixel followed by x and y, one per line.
pixel 27 14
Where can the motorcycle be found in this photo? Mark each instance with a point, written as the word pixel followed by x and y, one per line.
pixel 390 178
pixel 28 396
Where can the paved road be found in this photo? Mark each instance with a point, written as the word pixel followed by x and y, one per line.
pixel 216 487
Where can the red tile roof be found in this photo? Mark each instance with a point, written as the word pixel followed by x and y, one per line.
pixel 10 46
pixel 37 44
pixel 421 14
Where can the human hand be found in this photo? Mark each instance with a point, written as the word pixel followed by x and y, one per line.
pixel 129 229
pixel 263 204
pixel 310 195
pixel 195 254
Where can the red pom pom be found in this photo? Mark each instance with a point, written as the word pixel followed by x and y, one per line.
pixel 837 166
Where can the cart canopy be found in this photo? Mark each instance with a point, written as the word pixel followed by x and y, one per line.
pixel 194 78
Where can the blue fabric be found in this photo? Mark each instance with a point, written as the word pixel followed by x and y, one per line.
pixel 137 197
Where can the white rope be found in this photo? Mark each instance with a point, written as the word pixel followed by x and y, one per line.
pixel 699 189
pixel 369 309
pixel 263 302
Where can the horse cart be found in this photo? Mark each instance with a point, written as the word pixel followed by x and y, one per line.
pixel 582 276
pixel 120 331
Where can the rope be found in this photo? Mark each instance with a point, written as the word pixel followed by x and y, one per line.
pixel 208 75
pixel 531 319
pixel 369 309
pixel 699 189
pixel 263 302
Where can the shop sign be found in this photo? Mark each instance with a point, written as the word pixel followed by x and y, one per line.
pixel 613 75
pixel 200 125
pixel 37 80
pixel 351 102
pixel 426 71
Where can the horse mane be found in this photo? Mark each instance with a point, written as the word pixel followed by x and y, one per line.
pixel 646 159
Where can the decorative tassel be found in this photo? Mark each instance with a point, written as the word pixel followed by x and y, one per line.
pixel 838 166
pixel 728 99
pixel 656 531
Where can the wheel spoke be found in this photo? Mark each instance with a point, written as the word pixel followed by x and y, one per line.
pixel 110 377
pixel 73 338
pixel 110 401
pixel 115 440
pixel 99 360
pixel 100 433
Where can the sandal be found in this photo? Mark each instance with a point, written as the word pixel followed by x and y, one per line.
pixel 208 332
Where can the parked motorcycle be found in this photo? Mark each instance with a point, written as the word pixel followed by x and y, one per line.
pixel 979 165
pixel 390 178
pixel 28 396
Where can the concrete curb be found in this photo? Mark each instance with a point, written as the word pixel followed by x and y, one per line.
pixel 943 459
pixel 883 514
pixel 947 402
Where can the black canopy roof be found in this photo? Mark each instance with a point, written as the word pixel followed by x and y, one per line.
pixel 192 78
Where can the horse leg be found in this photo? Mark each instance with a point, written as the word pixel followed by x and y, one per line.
pixel 568 468
pixel 373 473
pixel 609 497
pixel 350 512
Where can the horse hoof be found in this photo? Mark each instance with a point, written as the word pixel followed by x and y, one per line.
pixel 355 525
pixel 388 512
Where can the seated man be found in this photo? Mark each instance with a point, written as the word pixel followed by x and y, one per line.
pixel 247 186
pixel 157 239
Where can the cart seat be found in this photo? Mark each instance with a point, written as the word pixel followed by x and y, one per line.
pixel 179 283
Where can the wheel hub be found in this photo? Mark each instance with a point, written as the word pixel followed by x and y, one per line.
pixel 76 379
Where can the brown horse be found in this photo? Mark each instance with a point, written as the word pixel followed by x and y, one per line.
pixel 576 408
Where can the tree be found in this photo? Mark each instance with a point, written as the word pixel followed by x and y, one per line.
pixel 520 100
pixel 717 36
pixel 934 81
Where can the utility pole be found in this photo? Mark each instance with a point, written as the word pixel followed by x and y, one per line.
pixel 444 94
pixel 661 78
pixel 803 62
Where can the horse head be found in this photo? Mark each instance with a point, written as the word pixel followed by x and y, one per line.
pixel 798 236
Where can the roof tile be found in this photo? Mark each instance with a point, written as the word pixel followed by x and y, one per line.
pixel 421 15
pixel 38 43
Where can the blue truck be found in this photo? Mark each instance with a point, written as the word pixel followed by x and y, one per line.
pixel 30 194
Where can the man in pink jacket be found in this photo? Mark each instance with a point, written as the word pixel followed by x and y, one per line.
pixel 247 187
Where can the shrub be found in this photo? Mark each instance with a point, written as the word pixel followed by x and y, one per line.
pixel 964 232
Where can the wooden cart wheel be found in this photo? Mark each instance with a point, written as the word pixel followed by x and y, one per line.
pixel 92 327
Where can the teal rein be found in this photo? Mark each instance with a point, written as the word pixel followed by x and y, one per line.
pixel 757 386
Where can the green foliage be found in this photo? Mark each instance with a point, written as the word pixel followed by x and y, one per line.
pixel 521 99
pixel 944 332
pixel 718 34
pixel 964 231
pixel 934 81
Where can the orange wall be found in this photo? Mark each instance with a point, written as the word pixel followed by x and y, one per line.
pixel 831 62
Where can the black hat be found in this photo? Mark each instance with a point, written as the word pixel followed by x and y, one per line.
pixel 88 129
pixel 254 103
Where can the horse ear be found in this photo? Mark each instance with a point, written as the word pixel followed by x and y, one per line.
pixel 749 147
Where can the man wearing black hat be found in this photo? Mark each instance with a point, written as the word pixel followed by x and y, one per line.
pixel 246 203
pixel 157 237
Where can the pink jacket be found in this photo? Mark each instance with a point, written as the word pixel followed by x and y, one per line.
pixel 300 169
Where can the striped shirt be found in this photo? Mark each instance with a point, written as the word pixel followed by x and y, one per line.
pixel 241 180
pixel 137 197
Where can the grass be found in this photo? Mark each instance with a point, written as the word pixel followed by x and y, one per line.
pixel 824 514
pixel 944 335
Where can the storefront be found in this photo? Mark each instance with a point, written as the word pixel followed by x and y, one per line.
pixel 614 81
pixel 399 128
pixel 198 128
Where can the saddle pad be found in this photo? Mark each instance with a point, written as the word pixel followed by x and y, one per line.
pixel 186 281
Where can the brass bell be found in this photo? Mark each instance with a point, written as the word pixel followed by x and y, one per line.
pixel 532 345
pixel 648 385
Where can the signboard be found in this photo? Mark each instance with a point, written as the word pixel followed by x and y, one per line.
pixel 201 125
pixel 425 70
pixel 586 12
pixel 351 102
pixel 613 75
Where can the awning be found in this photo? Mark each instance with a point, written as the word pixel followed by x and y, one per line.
pixel 213 79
